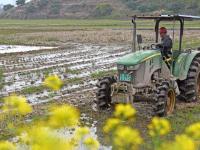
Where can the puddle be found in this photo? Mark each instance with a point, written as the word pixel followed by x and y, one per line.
pixel 15 48
pixel 67 133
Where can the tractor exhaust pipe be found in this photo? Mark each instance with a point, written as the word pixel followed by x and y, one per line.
pixel 134 35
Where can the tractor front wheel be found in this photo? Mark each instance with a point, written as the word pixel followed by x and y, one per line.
pixel 165 99
pixel 103 95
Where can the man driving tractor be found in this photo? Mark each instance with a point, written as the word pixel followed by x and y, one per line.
pixel 166 43
pixel 144 73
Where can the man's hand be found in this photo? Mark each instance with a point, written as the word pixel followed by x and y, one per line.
pixel 159 46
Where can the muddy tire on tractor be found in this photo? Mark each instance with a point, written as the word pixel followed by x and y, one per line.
pixel 164 101
pixel 190 87
pixel 103 100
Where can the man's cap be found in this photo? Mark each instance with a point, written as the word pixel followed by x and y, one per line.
pixel 163 30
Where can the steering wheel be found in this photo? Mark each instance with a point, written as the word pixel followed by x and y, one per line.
pixel 154 47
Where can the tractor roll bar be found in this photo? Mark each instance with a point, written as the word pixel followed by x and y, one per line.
pixel 134 35
pixel 158 20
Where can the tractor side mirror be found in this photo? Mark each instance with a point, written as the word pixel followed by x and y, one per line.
pixel 139 38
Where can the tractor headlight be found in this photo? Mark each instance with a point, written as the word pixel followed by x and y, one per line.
pixel 135 67
pixel 120 67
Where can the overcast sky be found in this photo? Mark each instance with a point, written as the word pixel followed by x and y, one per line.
pixel 9 1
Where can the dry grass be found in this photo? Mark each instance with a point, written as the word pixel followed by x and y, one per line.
pixel 95 36
pixel 101 36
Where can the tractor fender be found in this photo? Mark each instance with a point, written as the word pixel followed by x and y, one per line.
pixel 182 64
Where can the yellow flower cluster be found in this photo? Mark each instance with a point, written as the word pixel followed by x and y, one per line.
pixel 5 145
pixel 123 137
pixel 159 127
pixel 64 116
pixel 182 142
pixel 44 138
pixel 81 132
pixel 17 104
pixel 126 138
pixel 53 82
pixel 194 130
pixel 124 111
pixel 111 124
pixel 91 143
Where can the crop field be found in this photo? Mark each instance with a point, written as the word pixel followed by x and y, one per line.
pixel 79 52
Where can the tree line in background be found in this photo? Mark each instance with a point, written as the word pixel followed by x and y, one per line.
pixel 101 9
pixel 167 6
pixel 191 7
pixel 33 7
pixel 18 3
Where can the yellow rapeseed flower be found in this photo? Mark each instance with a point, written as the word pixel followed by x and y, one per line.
pixel 44 138
pixel 159 127
pixel 17 104
pixel 81 132
pixel 126 138
pixel 91 143
pixel 53 82
pixel 182 142
pixel 194 131
pixel 5 145
pixel 111 124
pixel 64 116
pixel 125 111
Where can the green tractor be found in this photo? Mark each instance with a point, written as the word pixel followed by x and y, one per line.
pixel 148 73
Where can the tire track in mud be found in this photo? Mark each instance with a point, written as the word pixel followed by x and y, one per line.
pixel 25 70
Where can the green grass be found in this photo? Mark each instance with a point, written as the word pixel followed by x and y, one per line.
pixel 73 80
pixel 187 43
pixel 101 74
pixel 33 89
pixel 18 26
pixel 20 123
pixel 70 71
pixel 1 79
pixel 182 118
pixel 40 88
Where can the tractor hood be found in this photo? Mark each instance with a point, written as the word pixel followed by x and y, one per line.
pixel 138 57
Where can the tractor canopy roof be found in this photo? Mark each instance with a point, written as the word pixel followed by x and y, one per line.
pixel 168 17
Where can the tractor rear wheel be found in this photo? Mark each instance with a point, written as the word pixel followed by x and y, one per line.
pixel 190 87
pixel 103 95
pixel 165 99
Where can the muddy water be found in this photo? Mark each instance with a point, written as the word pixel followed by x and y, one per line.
pixel 4 49
pixel 23 70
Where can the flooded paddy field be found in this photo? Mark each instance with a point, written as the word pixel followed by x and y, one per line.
pixel 79 66
pixel 79 57
pixel 74 64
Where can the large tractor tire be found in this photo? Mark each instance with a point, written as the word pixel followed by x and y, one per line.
pixel 103 95
pixel 165 99
pixel 190 87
